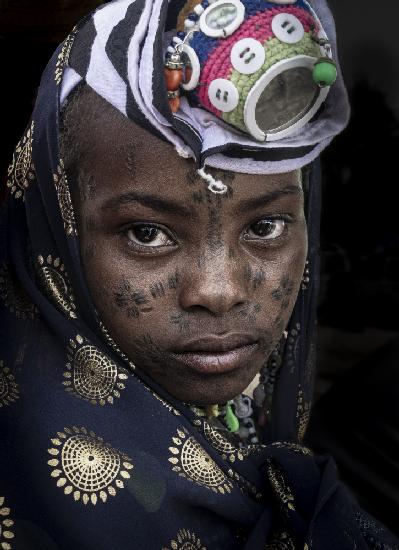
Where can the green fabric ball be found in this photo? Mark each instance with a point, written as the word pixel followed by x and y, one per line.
pixel 325 72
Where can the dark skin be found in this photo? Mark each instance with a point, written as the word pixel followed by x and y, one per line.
pixel 165 267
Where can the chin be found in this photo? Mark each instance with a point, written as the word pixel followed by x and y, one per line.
pixel 210 391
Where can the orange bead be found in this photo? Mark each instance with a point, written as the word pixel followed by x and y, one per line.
pixel 174 104
pixel 173 79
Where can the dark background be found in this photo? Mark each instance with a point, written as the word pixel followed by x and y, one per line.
pixel 356 413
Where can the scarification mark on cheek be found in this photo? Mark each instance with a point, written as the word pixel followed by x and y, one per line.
pixel 249 312
pixel 157 290
pixel 132 301
pixel 283 292
pixel 174 281
pixel 181 321
pixel 146 348
pixel 90 251
pixel 259 279
pixel 254 279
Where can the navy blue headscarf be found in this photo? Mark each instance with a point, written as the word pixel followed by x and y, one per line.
pixel 94 455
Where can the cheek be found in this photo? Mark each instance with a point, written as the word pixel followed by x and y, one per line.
pixel 276 286
pixel 131 300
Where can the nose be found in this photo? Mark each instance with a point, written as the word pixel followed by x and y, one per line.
pixel 215 284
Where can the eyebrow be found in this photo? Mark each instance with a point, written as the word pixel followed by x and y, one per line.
pixel 264 200
pixel 156 203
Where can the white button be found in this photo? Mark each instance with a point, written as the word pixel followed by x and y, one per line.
pixel 222 18
pixel 288 28
pixel 247 55
pixel 223 95
pixel 283 1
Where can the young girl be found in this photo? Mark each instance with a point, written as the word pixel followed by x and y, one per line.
pixel 159 256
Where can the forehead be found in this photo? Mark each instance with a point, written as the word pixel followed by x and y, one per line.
pixel 122 156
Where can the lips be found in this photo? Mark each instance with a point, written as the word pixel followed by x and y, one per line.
pixel 217 354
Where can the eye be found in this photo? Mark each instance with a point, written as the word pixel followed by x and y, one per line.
pixel 265 229
pixel 148 235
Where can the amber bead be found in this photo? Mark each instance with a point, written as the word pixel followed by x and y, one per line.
pixel 173 78
pixel 174 104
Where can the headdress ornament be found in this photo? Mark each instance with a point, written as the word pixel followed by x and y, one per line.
pixel 248 81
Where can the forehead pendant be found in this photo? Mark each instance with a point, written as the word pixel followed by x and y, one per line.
pixel 264 68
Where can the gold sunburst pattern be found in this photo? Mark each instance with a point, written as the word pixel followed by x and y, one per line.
pixel 91 374
pixel 280 487
pixel 65 200
pixel 14 296
pixel 63 56
pixel 6 524
pixel 55 282
pixel 227 450
pixel 191 461
pixel 185 540
pixel 21 171
pixel 302 414
pixel 87 467
pixel 296 447
pixel 8 387
pixel 281 541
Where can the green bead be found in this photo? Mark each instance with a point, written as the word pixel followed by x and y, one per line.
pixel 325 72
pixel 231 419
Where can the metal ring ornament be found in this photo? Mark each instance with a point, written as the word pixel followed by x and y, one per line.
pixel 300 61
pixel 195 67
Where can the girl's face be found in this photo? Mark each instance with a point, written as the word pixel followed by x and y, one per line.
pixel 196 288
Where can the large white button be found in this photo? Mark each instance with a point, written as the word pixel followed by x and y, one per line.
pixel 247 55
pixel 223 95
pixel 288 28
pixel 222 18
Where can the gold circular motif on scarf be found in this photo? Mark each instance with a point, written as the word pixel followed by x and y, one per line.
pixel 281 541
pixel 8 387
pixel 185 540
pixel 14 296
pixel 55 283
pixel 21 171
pixel 63 56
pixel 280 487
pixel 87 467
pixel 91 374
pixel 302 414
pixel 64 200
pixel 6 524
pixel 191 461
pixel 222 445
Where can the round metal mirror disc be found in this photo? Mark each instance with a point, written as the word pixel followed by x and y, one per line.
pixel 287 99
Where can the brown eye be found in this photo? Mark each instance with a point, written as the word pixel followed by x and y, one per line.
pixel 266 229
pixel 148 235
